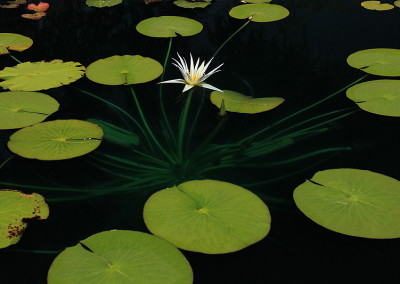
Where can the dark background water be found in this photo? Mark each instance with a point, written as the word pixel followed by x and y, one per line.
pixel 301 58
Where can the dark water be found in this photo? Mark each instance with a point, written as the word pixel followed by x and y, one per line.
pixel 301 58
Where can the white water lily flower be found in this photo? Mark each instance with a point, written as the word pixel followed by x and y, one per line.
pixel 195 76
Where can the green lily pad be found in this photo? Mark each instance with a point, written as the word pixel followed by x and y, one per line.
pixel 192 4
pixel 15 208
pixel 121 257
pixel 237 102
pixel 256 1
pixel 376 5
pixel 352 202
pixel 207 216
pixel 259 12
pixel 102 3
pixel 379 96
pixel 20 109
pixel 169 26
pixel 35 76
pixel 56 140
pixel 124 70
pixel 397 3
pixel 14 42
pixel 377 61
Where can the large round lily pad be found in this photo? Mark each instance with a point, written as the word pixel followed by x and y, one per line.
pixel 56 140
pixel 207 216
pixel 121 257
pixel 102 3
pixel 16 42
pixel 35 76
pixel 20 109
pixel 169 26
pixel 259 12
pixel 192 4
pixel 353 202
pixel 124 70
pixel 378 96
pixel 15 208
pixel 377 61
pixel 237 102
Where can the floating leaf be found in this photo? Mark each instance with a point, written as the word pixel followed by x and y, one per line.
pixel 259 12
pixel 20 109
pixel 352 202
pixel 376 5
pixel 56 140
pixel 121 257
pixel 397 3
pixel 42 75
pixel 124 70
pixel 256 1
pixel 192 4
pixel 169 26
pixel 103 3
pixel 377 61
pixel 237 102
pixel 40 8
pixel 14 42
pixel 207 216
pixel 35 16
pixel 15 208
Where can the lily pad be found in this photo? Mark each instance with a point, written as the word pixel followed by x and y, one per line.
pixel 376 5
pixel 20 109
pixel 352 202
pixel 35 76
pixel 15 208
pixel 379 96
pixel 377 61
pixel 121 257
pixel 256 1
pixel 14 42
pixel 124 70
pixel 259 12
pixel 207 216
pixel 397 3
pixel 103 3
pixel 56 140
pixel 169 26
pixel 192 4
pixel 237 102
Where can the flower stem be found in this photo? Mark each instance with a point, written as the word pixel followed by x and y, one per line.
pixel 182 124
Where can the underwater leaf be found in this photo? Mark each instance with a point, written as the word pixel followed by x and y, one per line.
pixel 56 140
pixel 376 5
pixel 259 12
pixel 378 96
pixel 353 202
pixel 103 3
pixel 15 208
pixel 121 257
pixel 124 70
pixel 237 102
pixel 377 61
pixel 14 42
pixel 192 4
pixel 169 26
pixel 20 109
pixel 207 216
pixel 35 76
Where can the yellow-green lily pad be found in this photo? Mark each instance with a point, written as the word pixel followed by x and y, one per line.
pixel 124 70
pixel 169 26
pixel 352 202
pixel 102 3
pixel 20 109
pixel 121 257
pixel 56 140
pixel 16 42
pixel 377 5
pixel 259 12
pixel 256 1
pixel 207 216
pixel 378 96
pixel 15 208
pixel 397 3
pixel 192 4
pixel 237 102
pixel 35 76
pixel 377 61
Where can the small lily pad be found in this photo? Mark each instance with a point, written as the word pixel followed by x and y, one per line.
pixel 103 3
pixel 397 3
pixel 14 42
pixel 20 109
pixel 192 4
pixel 207 216
pixel 378 96
pixel 237 102
pixel 56 140
pixel 169 26
pixel 124 70
pixel 376 5
pixel 377 61
pixel 352 202
pixel 259 12
pixel 35 76
pixel 121 257
pixel 15 208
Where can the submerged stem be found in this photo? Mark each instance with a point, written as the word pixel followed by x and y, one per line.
pixel 6 161
pixel 182 124
pixel 16 59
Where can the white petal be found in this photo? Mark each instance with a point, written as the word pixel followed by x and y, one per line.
pixel 208 86
pixel 187 87
pixel 205 68
pixel 191 64
pixel 180 81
